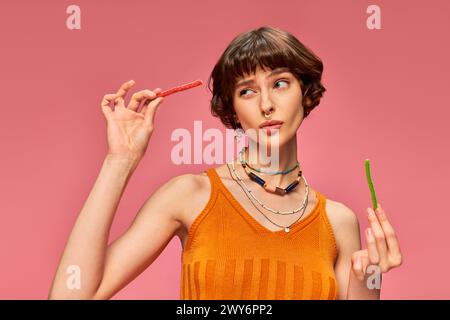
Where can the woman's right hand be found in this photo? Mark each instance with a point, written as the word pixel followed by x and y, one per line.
pixel 129 130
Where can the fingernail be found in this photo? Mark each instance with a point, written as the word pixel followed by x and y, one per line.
pixel 369 212
pixel 369 232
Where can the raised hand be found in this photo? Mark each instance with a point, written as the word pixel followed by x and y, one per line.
pixel 129 130
pixel 383 248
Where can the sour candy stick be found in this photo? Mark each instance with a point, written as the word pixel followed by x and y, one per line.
pixel 180 88
pixel 369 181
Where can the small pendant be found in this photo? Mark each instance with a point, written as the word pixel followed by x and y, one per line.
pixel 286 229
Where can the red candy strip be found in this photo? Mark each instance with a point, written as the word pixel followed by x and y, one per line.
pixel 180 88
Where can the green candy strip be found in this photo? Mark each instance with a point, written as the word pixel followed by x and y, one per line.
pixel 369 181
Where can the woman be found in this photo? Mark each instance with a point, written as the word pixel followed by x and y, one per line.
pixel 247 231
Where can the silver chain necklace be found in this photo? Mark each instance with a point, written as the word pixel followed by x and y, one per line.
pixel 266 207
pixel 247 191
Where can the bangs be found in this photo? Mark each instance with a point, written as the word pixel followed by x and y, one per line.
pixel 265 52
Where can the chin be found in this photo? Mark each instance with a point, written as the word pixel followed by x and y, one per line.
pixel 272 141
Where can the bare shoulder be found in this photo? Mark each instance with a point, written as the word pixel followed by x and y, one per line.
pixel 189 193
pixel 340 213
pixel 342 219
pixel 188 182
pixel 179 191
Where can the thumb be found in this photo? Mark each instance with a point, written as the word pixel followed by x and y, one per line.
pixel 151 111
pixel 357 267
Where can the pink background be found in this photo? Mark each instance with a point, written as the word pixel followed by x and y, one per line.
pixel 386 99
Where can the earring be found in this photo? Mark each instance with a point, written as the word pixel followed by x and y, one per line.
pixel 238 134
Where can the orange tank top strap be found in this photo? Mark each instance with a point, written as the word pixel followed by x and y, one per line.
pixel 212 174
pixel 215 180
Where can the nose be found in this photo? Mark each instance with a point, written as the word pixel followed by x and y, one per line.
pixel 268 110
pixel 267 106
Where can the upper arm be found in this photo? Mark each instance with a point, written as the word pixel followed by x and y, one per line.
pixel 151 230
pixel 348 240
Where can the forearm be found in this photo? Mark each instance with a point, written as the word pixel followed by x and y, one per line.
pixel 88 241
pixel 367 289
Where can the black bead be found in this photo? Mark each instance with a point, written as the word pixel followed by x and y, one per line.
pixel 257 179
pixel 292 186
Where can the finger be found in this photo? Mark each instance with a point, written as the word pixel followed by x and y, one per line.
pixel 119 102
pixel 147 101
pixel 151 111
pixel 378 233
pixel 124 88
pixel 365 262
pixel 373 256
pixel 140 96
pixel 105 104
pixel 357 267
pixel 391 238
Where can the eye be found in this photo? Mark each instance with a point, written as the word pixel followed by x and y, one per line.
pixel 281 81
pixel 242 92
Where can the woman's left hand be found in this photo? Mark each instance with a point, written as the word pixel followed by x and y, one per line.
pixel 383 249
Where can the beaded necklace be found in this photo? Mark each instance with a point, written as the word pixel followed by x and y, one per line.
pixel 248 192
pixel 265 185
pixel 265 206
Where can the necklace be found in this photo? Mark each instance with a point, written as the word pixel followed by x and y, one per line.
pixel 271 188
pixel 243 161
pixel 262 204
pixel 247 192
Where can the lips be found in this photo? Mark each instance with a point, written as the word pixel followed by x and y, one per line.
pixel 271 127
pixel 270 130
pixel 270 123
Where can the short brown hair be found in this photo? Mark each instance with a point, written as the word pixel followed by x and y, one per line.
pixel 267 47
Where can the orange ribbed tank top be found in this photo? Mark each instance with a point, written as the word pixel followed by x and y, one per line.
pixel 229 255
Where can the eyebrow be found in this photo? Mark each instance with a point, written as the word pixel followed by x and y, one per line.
pixel 271 74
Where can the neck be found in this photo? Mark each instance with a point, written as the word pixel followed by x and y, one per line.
pixel 287 159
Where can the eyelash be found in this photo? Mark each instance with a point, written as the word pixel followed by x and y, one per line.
pixel 280 80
